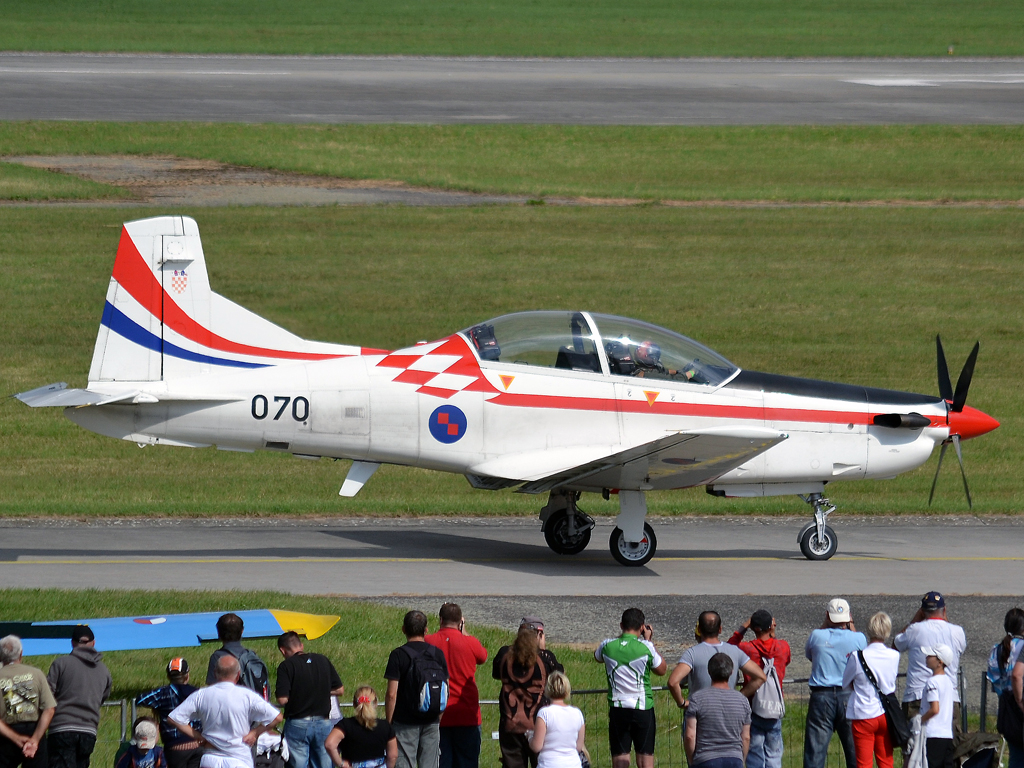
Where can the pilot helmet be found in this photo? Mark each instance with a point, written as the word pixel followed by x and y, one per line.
pixel 648 354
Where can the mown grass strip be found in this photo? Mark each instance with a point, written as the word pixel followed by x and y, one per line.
pixel 803 163
pixel 846 295
pixel 20 183
pixel 661 28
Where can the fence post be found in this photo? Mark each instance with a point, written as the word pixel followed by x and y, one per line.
pixel 124 718
pixel 962 686
pixel 984 700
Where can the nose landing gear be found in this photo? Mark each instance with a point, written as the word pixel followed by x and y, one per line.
pixel 817 540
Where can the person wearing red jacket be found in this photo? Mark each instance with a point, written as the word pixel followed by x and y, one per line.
pixel 765 734
pixel 460 723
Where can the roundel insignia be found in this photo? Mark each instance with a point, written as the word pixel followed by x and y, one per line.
pixel 447 424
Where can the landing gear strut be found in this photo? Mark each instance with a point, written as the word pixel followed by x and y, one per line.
pixel 567 529
pixel 817 540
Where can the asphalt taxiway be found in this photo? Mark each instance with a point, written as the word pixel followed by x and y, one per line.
pixel 507 556
pixel 409 89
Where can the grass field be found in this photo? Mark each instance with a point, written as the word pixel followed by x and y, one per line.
pixel 843 294
pixel 358 646
pixel 532 28
pixel 651 163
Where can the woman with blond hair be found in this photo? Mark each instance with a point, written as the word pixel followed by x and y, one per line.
pixel 559 731
pixel 364 741
pixel 864 708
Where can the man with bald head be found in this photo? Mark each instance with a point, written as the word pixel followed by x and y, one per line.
pixel 226 711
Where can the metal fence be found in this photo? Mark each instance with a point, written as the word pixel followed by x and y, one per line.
pixel 118 716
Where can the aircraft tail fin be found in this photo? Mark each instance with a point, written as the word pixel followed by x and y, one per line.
pixel 161 321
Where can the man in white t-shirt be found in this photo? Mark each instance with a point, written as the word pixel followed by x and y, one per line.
pixel 226 711
pixel 693 664
pixel 929 628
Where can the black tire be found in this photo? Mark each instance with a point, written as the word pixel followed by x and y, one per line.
pixel 556 534
pixel 813 549
pixel 633 555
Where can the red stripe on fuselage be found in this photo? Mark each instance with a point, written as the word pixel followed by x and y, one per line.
pixel 752 413
pixel 133 273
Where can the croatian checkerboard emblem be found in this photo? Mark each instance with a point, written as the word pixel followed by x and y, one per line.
pixel 179 280
pixel 447 424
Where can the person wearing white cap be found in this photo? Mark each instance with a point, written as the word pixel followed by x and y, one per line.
pixel 143 753
pixel 937 707
pixel 828 648
pixel 929 628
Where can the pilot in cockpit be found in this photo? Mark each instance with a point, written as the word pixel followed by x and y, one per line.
pixel 647 362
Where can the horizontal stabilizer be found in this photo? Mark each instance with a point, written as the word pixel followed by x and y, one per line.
pixel 59 396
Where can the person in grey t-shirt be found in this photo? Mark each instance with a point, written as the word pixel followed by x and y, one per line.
pixel 693 664
pixel 717 720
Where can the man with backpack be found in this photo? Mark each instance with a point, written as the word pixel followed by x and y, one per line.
pixel 417 694
pixel 628 661
pixel 254 675
pixel 767 706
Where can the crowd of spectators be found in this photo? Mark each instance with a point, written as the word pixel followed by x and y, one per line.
pixel 733 698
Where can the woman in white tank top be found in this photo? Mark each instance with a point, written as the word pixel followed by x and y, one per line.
pixel 559 732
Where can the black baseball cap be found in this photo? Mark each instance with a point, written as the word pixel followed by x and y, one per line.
pixel 933 601
pixel 761 620
pixel 82 634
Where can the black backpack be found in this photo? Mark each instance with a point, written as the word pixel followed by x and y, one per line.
pixel 254 673
pixel 425 685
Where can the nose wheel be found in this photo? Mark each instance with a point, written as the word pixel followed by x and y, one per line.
pixel 817 540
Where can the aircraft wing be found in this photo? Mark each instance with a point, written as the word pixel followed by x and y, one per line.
pixel 170 630
pixel 679 460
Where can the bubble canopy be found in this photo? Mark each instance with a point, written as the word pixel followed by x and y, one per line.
pixel 596 343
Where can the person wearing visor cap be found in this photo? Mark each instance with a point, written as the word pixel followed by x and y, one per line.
pixel 937 706
pixel 828 649
pixel 928 628
pixel 143 752
pixel 178 748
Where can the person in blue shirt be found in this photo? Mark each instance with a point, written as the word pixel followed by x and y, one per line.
pixel 828 648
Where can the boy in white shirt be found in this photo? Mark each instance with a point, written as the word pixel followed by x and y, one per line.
pixel 937 707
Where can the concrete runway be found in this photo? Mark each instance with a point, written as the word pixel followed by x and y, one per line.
pixel 508 557
pixel 348 89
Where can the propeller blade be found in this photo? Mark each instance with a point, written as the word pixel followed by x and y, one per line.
pixel 945 385
pixel 942 455
pixel 963 474
pixel 964 382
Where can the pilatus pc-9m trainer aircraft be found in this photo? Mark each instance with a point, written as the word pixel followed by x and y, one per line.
pixel 560 403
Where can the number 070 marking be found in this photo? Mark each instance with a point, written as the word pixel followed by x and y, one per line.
pixel 261 407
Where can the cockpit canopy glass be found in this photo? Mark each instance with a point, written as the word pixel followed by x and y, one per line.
pixel 551 339
pixel 566 340
pixel 639 349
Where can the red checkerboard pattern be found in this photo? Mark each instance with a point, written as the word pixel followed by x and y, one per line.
pixel 462 374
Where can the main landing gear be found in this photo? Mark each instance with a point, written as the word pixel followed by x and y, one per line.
pixel 568 529
pixel 817 540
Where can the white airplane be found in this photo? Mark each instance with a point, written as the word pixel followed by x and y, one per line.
pixel 550 402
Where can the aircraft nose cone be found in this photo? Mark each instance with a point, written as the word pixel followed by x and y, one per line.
pixel 970 422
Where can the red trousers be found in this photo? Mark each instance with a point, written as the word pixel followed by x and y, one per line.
pixel 871 738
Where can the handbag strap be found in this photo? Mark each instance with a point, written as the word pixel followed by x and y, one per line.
pixel 868 673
